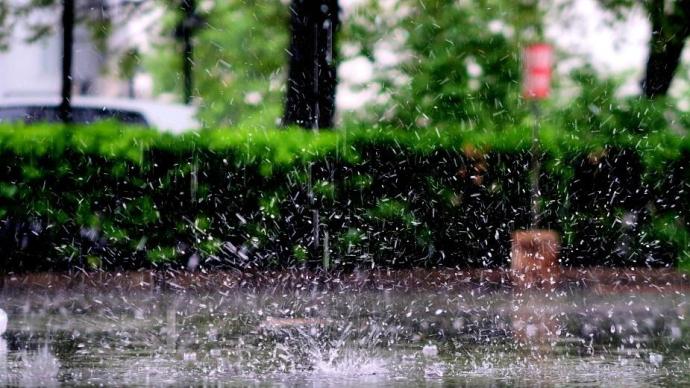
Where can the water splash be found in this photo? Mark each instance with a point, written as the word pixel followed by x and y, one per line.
pixel 40 368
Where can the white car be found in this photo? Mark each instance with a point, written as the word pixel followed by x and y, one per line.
pixel 175 118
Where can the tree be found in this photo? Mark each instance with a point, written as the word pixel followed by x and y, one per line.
pixel 239 61
pixel 670 30
pixel 65 109
pixel 189 23
pixel 311 84
pixel 670 22
pixel 459 62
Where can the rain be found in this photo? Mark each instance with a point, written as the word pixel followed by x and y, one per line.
pixel 344 193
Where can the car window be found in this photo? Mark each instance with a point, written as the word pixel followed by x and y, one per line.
pixel 28 114
pixel 12 114
pixel 33 114
pixel 90 115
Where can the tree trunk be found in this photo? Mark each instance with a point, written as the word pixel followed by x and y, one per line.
pixel 310 96
pixel 670 30
pixel 188 27
pixel 65 109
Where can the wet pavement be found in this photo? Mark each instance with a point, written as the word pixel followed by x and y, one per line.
pixel 345 334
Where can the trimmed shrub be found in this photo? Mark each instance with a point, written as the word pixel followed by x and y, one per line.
pixel 111 197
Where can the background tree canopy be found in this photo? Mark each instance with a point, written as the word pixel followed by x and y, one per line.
pixel 458 68
pixel 239 62
pixel 453 62
pixel 462 64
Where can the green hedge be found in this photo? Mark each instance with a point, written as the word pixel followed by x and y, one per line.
pixel 114 197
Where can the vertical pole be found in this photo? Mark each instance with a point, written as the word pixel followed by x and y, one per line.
pixel 65 109
pixel 535 167
pixel 315 109
pixel 315 128
pixel 315 214
pixel 188 9
pixel 316 222
pixel 326 251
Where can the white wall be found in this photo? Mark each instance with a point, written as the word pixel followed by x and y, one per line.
pixel 34 68
pixel 31 69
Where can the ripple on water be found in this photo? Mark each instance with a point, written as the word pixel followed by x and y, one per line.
pixel 338 339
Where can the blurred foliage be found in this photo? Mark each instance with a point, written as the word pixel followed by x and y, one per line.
pixel 463 62
pixel 456 63
pixel 460 63
pixel 239 61
pixel 597 109
pixel 108 196
pixel 443 62
pixel 129 63
pixel 672 230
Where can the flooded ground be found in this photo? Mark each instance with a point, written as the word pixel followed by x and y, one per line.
pixel 316 336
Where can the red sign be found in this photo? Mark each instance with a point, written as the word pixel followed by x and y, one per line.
pixel 537 63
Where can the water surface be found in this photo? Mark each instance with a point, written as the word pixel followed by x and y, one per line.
pixel 375 337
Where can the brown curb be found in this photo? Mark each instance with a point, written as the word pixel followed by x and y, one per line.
pixel 597 279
